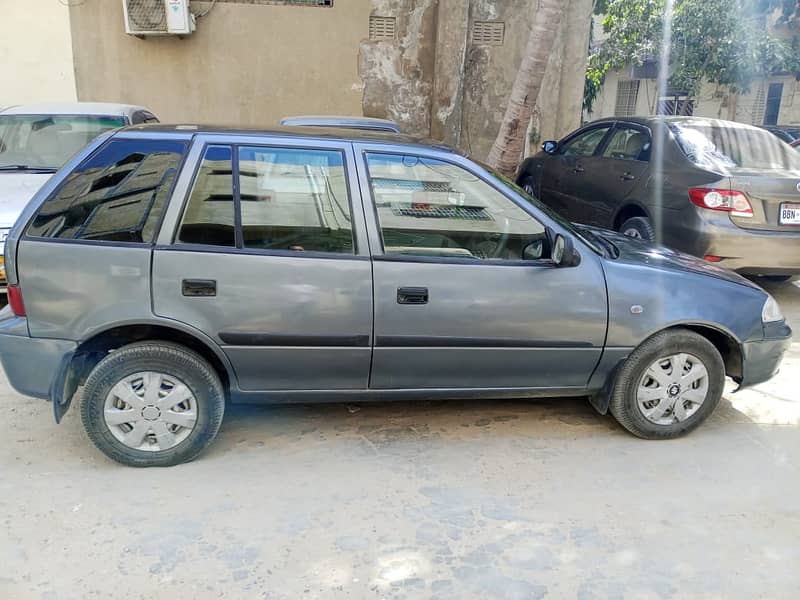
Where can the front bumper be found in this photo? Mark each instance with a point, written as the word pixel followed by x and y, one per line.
pixel 748 251
pixel 761 359
pixel 33 365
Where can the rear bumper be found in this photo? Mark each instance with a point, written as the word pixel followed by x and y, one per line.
pixel 762 358
pixel 704 232
pixel 32 365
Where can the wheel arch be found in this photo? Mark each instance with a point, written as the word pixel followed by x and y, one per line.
pixel 92 350
pixel 629 210
pixel 724 341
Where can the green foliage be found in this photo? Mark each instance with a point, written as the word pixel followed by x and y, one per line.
pixel 722 41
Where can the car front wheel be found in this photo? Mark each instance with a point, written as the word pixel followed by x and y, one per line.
pixel 669 385
pixel 640 228
pixel 152 404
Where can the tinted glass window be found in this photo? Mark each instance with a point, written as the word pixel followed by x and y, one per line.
pixel 118 194
pixel 428 207
pixel 210 217
pixel 294 199
pixel 48 141
pixel 628 143
pixel 584 144
pixel 715 145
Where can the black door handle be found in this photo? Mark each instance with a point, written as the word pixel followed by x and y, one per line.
pixel 199 287
pixel 412 295
pixel 627 176
pixel 578 169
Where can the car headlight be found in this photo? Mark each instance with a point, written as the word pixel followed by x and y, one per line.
pixel 771 311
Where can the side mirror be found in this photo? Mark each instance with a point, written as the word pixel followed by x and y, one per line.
pixel 564 253
pixel 550 147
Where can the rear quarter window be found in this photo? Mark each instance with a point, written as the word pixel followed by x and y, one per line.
pixel 116 195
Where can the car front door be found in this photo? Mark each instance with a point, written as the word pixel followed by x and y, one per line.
pixel 465 293
pixel 568 174
pixel 621 174
pixel 268 256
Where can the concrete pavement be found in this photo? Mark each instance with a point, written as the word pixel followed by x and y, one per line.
pixel 505 499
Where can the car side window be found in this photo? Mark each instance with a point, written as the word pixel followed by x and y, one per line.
pixel 117 194
pixel 432 208
pixel 584 144
pixel 209 217
pixel 295 199
pixel 628 143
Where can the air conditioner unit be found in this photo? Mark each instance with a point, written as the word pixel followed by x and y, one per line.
pixel 158 17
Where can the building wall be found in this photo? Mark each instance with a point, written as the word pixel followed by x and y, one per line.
pixel 251 62
pixel 247 64
pixel 713 101
pixel 35 52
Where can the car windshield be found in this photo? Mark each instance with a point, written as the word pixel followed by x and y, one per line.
pixel 587 237
pixel 715 145
pixel 47 141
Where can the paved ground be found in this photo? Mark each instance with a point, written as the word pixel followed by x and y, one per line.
pixel 506 499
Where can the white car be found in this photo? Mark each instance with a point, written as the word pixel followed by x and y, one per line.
pixel 37 139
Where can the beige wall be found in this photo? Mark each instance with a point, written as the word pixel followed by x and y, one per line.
pixel 35 52
pixel 246 64
pixel 713 101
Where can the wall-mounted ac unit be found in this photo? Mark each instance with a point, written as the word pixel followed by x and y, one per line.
pixel 158 17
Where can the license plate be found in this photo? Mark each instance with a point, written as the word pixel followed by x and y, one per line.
pixel 790 214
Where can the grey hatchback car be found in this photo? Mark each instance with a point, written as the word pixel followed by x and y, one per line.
pixel 171 269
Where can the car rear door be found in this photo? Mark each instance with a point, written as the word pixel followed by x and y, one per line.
pixel 459 303
pixel 267 254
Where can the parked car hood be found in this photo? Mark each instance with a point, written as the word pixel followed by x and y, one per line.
pixel 660 257
pixel 16 190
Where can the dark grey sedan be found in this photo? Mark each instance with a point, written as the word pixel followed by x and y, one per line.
pixel 730 193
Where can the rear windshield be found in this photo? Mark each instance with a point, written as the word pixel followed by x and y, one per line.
pixel 717 146
pixel 48 141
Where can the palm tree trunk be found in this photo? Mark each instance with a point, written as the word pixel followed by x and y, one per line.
pixel 507 149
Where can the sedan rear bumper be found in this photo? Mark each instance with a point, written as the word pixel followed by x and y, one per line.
pixel 748 251
pixel 762 358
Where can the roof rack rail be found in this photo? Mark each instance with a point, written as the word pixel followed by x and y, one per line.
pixel 342 121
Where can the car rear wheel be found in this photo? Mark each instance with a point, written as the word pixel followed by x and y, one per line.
pixel 152 404
pixel 669 385
pixel 639 228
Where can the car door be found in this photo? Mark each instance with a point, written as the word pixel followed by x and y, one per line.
pixel 565 179
pixel 619 173
pixel 465 293
pixel 268 256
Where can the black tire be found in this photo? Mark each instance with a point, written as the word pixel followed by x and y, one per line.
pixel 777 278
pixel 624 405
pixel 173 360
pixel 641 226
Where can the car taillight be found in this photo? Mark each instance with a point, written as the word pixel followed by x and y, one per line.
pixel 15 300
pixel 730 201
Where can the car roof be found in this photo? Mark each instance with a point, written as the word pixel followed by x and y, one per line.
pixel 291 131
pixel 341 121
pixel 73 108
pixel 676 119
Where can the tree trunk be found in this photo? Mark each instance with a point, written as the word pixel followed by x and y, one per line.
pixel 507 149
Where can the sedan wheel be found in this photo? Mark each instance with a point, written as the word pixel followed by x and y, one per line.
pixel 668 385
